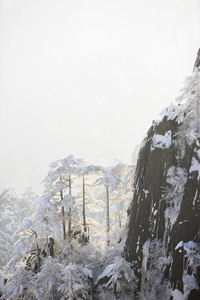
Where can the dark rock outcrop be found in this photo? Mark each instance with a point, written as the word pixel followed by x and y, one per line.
pixel 163 240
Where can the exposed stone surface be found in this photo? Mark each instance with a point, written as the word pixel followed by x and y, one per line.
pixel 166 202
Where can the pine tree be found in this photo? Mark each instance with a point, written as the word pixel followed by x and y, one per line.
pixel 117 281
pixel 112 181
pixel 84 172
pixel 14 208
pixel 58 181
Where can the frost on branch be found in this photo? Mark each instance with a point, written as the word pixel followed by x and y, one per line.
pixel 117 281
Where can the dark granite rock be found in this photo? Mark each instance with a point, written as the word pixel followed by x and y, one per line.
pixel 166 202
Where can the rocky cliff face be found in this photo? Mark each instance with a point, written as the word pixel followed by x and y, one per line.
pixel 163 240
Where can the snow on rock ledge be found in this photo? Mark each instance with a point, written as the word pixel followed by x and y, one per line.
pixel 161 141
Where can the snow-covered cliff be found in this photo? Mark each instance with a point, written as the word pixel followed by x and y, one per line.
pixel 163 240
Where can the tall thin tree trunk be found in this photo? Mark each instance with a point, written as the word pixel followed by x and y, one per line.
pixel 70 217
pixel 85 236
pixel 38 258
pixel 120 222
pixel 38 254
pixel 107 216
pixel 63 216
pixel 84 217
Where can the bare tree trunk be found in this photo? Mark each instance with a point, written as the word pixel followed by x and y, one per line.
pixel 85 235
pixel 120 222
pixel 63 216
pixel 107 216
pixel 84 217
pixel 70 217
pixel 38 258
pixel 37 253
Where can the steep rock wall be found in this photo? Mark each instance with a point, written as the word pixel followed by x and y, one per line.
pixel 163 239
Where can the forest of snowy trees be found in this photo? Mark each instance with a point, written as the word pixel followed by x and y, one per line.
pixel 60 242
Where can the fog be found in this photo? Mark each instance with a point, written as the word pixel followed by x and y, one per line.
pixel 87 77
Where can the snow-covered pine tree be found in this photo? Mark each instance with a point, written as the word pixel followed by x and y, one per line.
pixel 188 116
pixel 120 202
pixel 56 281
pixel 77 283
pixel 32 248
pixel 27 198
pixel 117 281
pixel 84 172
pixel 14 208
pixel 10 219
pixel 113 183
pixel 59 182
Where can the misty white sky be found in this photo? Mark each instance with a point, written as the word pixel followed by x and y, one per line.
pixel 87 77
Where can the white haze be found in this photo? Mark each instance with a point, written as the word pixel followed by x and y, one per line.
pixel 87 77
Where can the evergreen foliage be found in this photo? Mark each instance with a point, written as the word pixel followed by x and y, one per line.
pixel 14 207
pixel 51 262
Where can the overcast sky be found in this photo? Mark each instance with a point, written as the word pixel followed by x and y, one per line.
pixel 87 77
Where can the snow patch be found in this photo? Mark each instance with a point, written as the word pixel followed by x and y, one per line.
pixel 177 295
pixel 195 166
pixel 190 246
pixel 198 153
pixel 195 197
pixel 155 212
pixel 165 112
pixel 138 244
pixel 1 282
pixel 179 245
pixel 146 192
pixel 88 273
pixel 176 178
pixel 162 141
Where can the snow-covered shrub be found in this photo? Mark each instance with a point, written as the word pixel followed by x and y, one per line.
pixel 117 281
pixel 77 283
pixel 34 244
pixel 55 281
pixel 187 113
pixel 176 178
pixel 191 264
pixel 20 284
pixel 153 284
